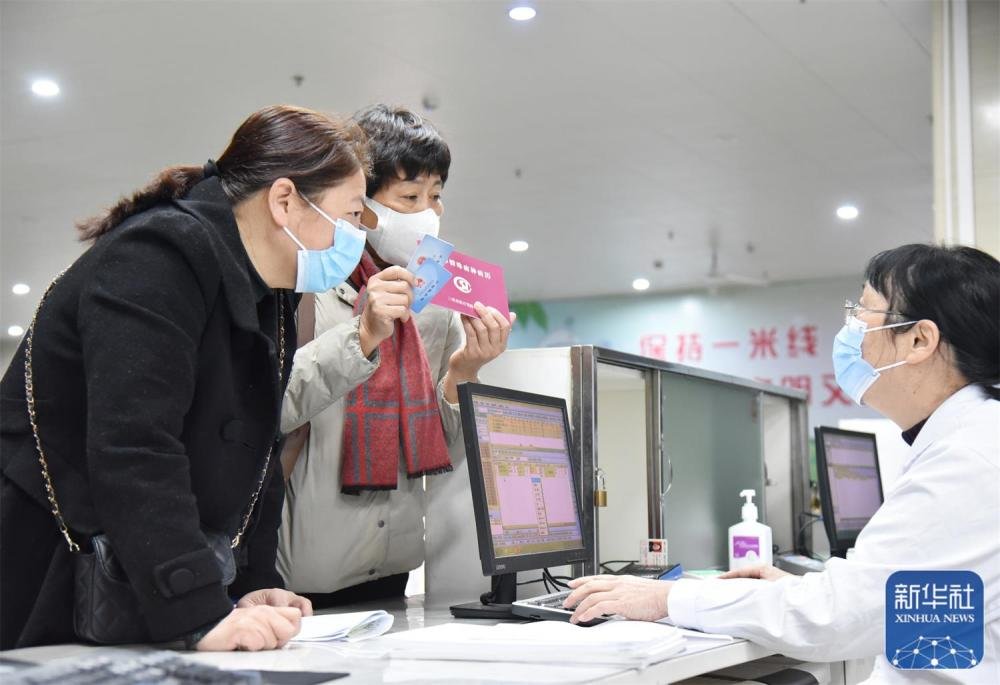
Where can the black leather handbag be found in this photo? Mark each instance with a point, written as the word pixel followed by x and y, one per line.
pixel 105 607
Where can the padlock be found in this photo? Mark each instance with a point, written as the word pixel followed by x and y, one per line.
pixel 600 489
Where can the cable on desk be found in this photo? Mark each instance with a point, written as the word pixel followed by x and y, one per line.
pixel 799 539
pixel 557 582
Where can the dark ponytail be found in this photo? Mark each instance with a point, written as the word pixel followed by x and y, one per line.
pixel 958 288
pixel 170 184
pixel 313 150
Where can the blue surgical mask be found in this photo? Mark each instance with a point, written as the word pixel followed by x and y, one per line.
pixel 854 375
pixel 321 270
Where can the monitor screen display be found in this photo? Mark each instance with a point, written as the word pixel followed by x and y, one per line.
pixel 852 472
pixel 524 450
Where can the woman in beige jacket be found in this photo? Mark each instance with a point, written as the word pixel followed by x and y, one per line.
pixel 353 527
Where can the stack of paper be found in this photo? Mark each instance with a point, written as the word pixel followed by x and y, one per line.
pixel 632 644
pixel 343 627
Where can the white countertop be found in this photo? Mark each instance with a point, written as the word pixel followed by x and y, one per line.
pixel 699 657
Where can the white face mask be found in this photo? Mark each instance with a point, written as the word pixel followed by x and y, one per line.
pixel 396 237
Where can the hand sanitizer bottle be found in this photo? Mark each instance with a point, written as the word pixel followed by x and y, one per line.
pixel 749 540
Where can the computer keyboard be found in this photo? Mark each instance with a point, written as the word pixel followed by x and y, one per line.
pixel 553 601
pixel 161 668
pixel 550 607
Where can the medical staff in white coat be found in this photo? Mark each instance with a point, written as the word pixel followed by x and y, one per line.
pixel 921 347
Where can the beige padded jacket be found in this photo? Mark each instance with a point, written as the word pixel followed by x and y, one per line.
pixel 329 540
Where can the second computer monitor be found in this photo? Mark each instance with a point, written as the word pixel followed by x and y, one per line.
pixel 524 479
pixel 850 484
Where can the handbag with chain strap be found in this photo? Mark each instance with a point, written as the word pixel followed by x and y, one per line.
pixel 105 607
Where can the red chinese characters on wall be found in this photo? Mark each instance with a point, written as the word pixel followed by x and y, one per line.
pixel 653 345
pixel 801 341
pixel 763 343
pixel 689 348
pixel 834 395
pixel 799 382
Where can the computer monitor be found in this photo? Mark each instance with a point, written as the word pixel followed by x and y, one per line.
pixel 523 475
pixel 850 484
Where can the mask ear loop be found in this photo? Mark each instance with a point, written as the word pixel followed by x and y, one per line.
pixel 891 325
pixel 880 328
pixel 321 212
pixel 337 223
pixel 889 366
pixel 292 236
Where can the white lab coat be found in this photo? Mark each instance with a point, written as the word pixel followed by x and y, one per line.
pixel 942 513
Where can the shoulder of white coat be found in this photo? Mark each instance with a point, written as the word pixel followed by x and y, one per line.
pixel 985 425
pixel 978 430
pixel 974 438
pixel 968 420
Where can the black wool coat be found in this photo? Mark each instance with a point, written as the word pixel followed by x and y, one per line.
pixel 158 399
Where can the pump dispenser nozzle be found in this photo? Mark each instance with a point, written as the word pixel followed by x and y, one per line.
pixel 749 540
pixel 749 508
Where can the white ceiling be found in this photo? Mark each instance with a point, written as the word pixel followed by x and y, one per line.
pixel 638 128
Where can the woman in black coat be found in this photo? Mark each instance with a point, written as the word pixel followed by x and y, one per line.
pixel 154 364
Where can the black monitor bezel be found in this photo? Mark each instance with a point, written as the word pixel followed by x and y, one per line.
pixel 840 541
pixel 526 562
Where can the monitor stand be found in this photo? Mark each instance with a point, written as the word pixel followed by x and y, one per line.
pixel 494 604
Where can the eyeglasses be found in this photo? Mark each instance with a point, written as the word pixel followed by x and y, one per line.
pixel 852 309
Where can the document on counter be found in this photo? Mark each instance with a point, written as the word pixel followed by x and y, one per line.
pixel 630 644
pixel 407 670
pixel 350 627
pixel 454 280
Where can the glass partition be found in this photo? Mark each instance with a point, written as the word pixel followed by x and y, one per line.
pixel 621 446
pixel 711 450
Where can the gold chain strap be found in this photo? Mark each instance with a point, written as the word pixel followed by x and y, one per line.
pixel 29 396
pixel 270 450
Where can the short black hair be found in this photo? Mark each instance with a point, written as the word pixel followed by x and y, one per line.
pixel 958 288
pixel 400 140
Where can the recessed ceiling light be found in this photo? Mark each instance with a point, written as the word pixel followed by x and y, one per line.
pixel 640 284
pixel 522 13
pixel 46 88
pixel 15 331
pixel 518 246
pixel 847 212
pixel 21 289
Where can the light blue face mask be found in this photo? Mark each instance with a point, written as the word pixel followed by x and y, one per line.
pixel 854 375
pixel 321 270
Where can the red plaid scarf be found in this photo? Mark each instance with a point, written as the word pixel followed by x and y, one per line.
pixel 396 410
